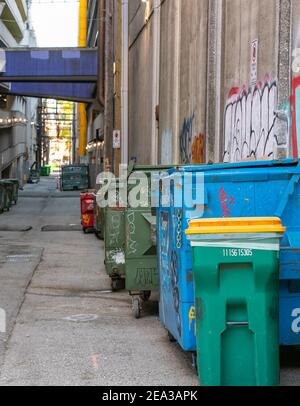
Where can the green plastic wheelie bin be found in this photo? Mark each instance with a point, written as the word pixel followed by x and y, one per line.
pixel 16 186
pixel 45 170
pixel 236 278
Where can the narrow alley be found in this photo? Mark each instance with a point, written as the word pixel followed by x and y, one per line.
pixel 65 327
pixel 149 195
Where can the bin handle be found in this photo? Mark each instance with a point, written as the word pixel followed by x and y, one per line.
pixel 237 323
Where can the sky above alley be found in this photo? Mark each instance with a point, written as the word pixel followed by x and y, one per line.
pixel 55 22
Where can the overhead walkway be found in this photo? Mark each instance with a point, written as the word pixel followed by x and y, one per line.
pixel 66 73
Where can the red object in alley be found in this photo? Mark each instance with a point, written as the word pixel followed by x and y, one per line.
pixel 87 204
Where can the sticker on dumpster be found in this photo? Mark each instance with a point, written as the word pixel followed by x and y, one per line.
pixel 117 256
pixel 86 218
pixel 296 322
pixel 192 316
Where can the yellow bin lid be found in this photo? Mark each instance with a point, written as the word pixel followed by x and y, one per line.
pixel 236 225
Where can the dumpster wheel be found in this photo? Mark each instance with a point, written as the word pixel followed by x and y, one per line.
pixel 194 362
pixel 136 307
pixel 145 295
pixel 171 338
pixel 117 284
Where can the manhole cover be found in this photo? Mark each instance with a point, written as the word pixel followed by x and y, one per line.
pixel 62 227
pixel 82 318
pixel 15 228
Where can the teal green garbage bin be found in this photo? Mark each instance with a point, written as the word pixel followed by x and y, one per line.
pixel 236 278
pixel 45 170
pixel 9 193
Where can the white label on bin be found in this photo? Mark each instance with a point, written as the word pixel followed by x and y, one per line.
pixel 296 322
pixel 237 252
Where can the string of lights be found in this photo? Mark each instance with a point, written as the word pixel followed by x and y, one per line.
pixel 94 145
pixel 54 1
pixel 11 121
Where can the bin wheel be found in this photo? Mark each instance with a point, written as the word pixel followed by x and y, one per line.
pixel 145 295
pixel 117 284
pixel 84 230
pixel 194 361
pixel 98 235
pixel 171 338
pixel 136 307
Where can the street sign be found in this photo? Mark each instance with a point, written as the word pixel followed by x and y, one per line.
pixel 254 62
pixel 116 139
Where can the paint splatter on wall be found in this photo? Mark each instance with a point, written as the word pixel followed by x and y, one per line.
pixel 198 149
pixel 250 123
pixel 192 144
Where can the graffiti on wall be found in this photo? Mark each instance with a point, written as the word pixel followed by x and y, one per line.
pixel 250 123
pixel 186 137
pixel 192 147
pixel 295 108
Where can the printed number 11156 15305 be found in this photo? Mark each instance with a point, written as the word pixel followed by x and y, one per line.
pixel 237 252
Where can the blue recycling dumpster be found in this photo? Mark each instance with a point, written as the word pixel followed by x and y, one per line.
pixel 269 188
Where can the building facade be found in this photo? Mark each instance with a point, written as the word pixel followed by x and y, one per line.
pixel 17 114
pixel 209 80
pixel 225 79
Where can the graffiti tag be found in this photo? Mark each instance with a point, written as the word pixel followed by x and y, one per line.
pixel 249 124
pixel 186 137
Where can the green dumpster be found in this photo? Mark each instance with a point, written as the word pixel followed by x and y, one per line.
pixel 141 272
pixel 99 222
pixel 3 197
pixel 16 186
pixel 9 193
pixel 114 238
pixel 74 177
pixel 236 275
pixel 45 170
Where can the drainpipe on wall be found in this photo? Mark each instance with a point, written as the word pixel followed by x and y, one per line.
pixel 109 86
pixel 177 40
pixel 124 87
pixel 101 51
pixel 82 42
pixel 155 81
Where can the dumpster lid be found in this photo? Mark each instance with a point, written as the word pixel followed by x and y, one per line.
pixel 235 225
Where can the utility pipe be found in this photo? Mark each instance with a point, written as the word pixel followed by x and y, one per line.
pixel 124 87
pixel 82 42
pixel 155 81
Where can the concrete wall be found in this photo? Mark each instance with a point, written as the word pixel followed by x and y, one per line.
pixel 193 80
pixel 140 81
pixel 169 82
pixel 215 104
